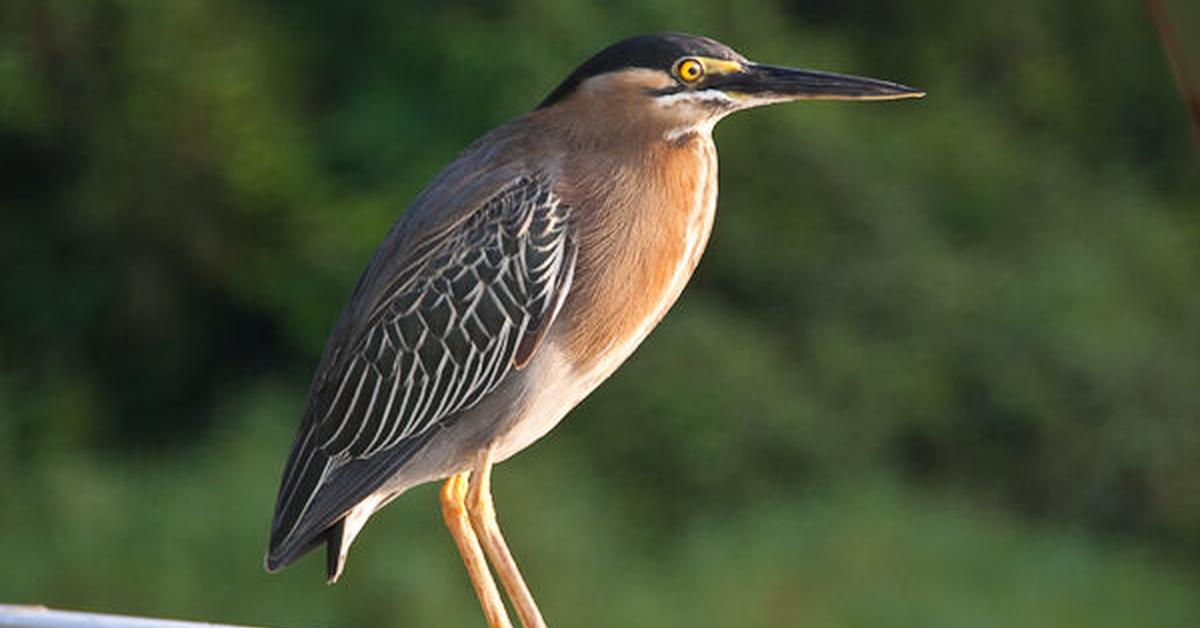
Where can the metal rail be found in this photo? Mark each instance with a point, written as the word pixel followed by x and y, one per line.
pixel 42 617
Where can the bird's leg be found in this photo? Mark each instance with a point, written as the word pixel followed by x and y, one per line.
pixel 483 518
pixel 454 511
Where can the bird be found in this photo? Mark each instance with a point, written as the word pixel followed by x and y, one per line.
pixel 516 282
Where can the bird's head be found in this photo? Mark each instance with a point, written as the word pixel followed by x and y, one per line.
pixel 675 83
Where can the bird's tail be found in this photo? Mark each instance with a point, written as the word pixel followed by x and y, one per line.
pixel 335 551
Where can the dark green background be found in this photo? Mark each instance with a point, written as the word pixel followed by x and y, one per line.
pixel 939 367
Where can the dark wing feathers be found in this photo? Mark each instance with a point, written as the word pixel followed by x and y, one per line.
pixel 472 302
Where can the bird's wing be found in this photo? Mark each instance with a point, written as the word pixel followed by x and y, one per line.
pixel 469 304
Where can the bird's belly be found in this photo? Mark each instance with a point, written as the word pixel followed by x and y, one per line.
pixel 560 386
pixel 553 391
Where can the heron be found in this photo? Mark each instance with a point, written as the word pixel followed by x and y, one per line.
pixel 515 283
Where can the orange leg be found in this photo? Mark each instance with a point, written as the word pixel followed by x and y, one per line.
pixel 483 518
pixel 454 511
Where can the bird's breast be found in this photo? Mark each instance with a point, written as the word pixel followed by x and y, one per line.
pixel 642 224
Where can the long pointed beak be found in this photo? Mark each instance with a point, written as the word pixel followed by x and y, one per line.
pixel 771 83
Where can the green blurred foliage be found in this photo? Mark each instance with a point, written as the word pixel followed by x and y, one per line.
pixel 940 366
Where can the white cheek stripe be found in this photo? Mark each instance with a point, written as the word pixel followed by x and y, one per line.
pixel 697 97
pixel 707 117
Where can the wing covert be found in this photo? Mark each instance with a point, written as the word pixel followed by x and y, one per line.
pixel 471 304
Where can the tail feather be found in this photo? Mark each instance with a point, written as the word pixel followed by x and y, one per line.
pixel 335 557
pixel 337 539
pixel 279 557
pixel 331 507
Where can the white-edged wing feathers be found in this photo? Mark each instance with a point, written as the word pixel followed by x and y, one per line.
pixel 469 304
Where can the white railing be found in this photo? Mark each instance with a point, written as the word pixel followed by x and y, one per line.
pixel 42 617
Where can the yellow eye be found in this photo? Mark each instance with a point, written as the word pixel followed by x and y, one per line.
pixel 689 70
